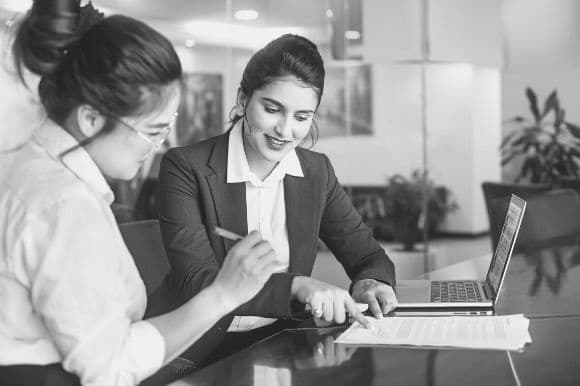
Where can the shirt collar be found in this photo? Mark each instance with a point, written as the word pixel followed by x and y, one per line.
pixel 239 170
pixel 56 141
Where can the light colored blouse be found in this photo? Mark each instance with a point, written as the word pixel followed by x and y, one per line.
pixel 265 207
pixel 69 289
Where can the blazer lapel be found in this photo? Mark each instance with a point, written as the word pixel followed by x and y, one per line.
pixel 229 199
pixel 301 197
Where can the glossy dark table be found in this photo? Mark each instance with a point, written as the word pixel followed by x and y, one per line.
pixel 309 357
pixel 543 284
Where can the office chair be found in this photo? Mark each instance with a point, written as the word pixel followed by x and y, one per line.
pixel 143 239
pixel 551 217
pixel 569 183
pixel 497 196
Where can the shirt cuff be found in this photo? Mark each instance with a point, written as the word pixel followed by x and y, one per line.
pixel 146 352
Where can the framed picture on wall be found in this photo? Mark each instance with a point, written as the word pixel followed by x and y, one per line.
pixel 346 107
pixel 200 111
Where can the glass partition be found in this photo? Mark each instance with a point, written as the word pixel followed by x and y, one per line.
pixel 409 118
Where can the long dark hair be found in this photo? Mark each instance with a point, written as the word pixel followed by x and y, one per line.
pixel 84 58
pixel 288 55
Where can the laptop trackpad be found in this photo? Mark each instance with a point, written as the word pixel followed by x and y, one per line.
pixel 413 291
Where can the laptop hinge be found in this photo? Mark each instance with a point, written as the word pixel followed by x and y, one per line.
pixel 487 290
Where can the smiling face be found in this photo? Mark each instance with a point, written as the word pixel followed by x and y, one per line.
pixel 277 118
pixel 120 152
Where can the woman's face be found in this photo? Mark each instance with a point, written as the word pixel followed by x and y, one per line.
pixel 121 152
pixel 277 119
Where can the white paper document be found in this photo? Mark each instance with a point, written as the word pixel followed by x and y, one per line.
pixel 508 332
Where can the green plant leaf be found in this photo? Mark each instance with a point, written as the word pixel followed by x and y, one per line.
pixel 524 139
pixel 552 103
pixel 526 168
pixel 559 118
pixel 516 119
pixel 574 152
pixel 533 99
pixel 507 159
pixel 514 135
pixel 571 165
pixel 573 129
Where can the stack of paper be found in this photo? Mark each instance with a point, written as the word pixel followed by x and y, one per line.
pixel 508 332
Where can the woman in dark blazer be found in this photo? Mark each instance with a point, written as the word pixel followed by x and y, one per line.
pixel 256 176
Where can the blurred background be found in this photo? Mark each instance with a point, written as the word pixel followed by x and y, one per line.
pixel 419 96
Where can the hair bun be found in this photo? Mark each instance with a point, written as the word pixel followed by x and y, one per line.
pixel 49 28
pixel 88 17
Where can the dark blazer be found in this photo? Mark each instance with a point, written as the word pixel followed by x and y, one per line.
pixel 194 198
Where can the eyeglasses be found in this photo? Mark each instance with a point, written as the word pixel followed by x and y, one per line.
pixel 157 138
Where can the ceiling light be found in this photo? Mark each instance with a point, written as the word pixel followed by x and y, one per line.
pixel 189 43
pixel 236 34
pixel 329 13
pixel 246 14
pixel 352 35
pixel 15 5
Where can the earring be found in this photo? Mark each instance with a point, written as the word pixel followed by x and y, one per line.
pixel 240 110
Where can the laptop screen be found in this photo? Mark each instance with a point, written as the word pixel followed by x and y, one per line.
pixel 505 244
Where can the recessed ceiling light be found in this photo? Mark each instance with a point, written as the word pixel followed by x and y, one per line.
pixel 246 14
pixel 329 13
pixel 244 35
pixel 189 43
pixel 16 5
pixel 352 35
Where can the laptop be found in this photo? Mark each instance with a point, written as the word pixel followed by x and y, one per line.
pixel 469 297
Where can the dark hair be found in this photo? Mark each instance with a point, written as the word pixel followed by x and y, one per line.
pixel 288 55
pixel 84 58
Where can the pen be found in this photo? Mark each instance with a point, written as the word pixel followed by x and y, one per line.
pixel 359 317
pixel 227 234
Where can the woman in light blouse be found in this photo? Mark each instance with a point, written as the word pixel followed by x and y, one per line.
pixel 258 177
pixel 70 292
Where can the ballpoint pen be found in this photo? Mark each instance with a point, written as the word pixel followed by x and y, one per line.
pixel 227 234
pixel 359 317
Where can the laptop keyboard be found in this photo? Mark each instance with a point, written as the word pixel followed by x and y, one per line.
pixel 455 292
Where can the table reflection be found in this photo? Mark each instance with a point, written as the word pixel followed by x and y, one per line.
pixel 294 357
pixel 543 282
pixel 550 267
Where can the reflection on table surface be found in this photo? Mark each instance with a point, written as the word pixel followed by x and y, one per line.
pixel 541 282
pixel 310 357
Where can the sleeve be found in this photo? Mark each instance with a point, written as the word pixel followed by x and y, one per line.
pixel 193 262
pixel 349 239
pixel 83 292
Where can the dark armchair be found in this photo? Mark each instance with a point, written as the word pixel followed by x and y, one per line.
pixel 551 216
pixel 143 239
pixel 497 196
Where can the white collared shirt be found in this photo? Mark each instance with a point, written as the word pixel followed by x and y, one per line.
pixel 265 207
pixel 69 289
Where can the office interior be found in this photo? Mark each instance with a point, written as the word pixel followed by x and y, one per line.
pixel 419 95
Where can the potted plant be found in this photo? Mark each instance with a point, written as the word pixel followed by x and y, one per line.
pixel 546 146
pixel 403 203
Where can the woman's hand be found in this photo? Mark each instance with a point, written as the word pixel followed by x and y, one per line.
pixel 246 268
pixel 326 301
pixel 380 297
pixel 328 354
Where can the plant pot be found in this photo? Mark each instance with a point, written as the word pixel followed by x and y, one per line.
pixel 406 231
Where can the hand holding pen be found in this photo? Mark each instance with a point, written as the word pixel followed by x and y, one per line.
pixel 246 268
pixel 349 305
